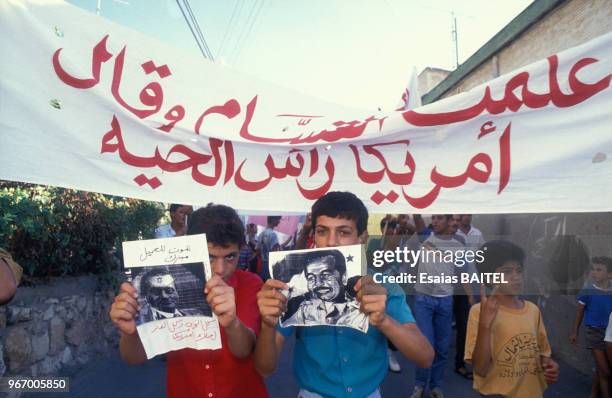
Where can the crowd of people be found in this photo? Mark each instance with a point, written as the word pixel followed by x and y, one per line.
pixel 499 335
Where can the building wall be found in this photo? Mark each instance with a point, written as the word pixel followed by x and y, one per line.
pixel 430 77
pixel 572 23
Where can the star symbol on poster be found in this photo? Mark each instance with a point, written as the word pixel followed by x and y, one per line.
pixel 349 258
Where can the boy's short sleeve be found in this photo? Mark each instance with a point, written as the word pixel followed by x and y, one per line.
pixel 543 343
pixel 285 331
pixel 583 297
pixel 472 332
pixel 608 338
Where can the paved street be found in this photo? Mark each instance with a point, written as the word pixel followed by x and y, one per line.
pixel 110 377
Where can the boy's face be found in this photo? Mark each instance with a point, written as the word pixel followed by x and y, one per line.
pixel 465 220
pixel 599 273
pixel 513 274
pixel 453 225
pixel 332 232
pixel 179 216
pixel 439 223
pixel 223 260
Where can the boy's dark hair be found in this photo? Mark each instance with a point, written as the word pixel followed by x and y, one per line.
pixel 391 223
pixel 607 261
pixel 273 219
pixel 174 207
pixel 220 223
pixel 341 205
pixel 498 252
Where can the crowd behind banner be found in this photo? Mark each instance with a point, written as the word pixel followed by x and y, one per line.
pixel 488 320
pixel 501 342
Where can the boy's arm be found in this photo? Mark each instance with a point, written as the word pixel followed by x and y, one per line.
pixel 131 349
pixel 551 370
pixel 467 288
pixel 271 305
pixel 122 313
pixel 268 349
pixel 409 341
pixel 481 357
pixel 550 367
pixel 577 322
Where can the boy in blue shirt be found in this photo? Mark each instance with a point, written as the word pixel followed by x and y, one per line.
pixel 594 306
pixel 335 361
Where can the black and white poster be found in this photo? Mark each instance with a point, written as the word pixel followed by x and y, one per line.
pixel 321 286
pixel 169 275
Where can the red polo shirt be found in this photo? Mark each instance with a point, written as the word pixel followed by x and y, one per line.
pixel 217 373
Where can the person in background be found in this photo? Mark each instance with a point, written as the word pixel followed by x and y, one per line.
pixel 251 235
pixel 608 340
pixel 595 306
pixel 248 253
pixel 268 242
pixel 305 237
pixel 10 276
pixel 472 239
pixel 472 235
pixel 389 240
pixel 506 338
pixel 178 222
pixel 433 303
pixel 423 231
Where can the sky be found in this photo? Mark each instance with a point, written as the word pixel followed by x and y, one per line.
pixel 358 53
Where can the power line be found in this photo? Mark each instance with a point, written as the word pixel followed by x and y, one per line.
pixel 198 30
pixel 237 8
pixel 246 28
pixel 195 30
pixel 250 29
pixel 243 30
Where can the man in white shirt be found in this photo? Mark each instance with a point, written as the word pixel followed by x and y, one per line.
pixel 473 237
pixel 178 222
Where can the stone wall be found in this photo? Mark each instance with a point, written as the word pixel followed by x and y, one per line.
pixel 62 324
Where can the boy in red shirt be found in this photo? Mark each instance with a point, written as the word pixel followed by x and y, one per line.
pixel 231 294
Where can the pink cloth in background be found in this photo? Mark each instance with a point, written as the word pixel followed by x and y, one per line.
pixel 288 224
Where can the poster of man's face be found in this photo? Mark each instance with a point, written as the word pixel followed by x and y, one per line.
pixel 321 286
pixel 170 291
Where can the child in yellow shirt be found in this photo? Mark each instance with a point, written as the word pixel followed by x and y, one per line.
pixel 506 339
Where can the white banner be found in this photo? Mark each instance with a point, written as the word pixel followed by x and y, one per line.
pixel 91 105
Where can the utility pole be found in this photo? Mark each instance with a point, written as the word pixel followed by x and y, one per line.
pixel 455 39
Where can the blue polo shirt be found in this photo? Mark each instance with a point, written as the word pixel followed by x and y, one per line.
pixel 598 305
pixel 344 362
